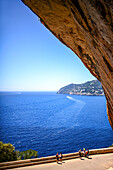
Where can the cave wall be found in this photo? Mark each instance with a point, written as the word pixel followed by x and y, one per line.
pixel 86 27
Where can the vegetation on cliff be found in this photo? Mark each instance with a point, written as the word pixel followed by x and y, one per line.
pixel 93 87
pixel 111 146
pixel 8 153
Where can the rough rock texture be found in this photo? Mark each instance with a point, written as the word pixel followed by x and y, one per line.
pixel 86 27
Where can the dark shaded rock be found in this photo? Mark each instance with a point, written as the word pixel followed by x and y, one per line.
pixel 86 27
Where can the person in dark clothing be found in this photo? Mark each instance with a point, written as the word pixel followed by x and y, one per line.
pixel 57 157
pixel 80 154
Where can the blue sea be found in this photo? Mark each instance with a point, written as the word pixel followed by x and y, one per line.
pixel 48 122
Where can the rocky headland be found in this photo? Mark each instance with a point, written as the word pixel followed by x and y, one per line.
pixel 89 88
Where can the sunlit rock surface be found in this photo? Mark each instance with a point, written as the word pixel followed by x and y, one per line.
pixel 86 27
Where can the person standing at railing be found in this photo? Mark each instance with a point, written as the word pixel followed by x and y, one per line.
pixel 57 157
pixel 61 156
pixel 80 154
pixel 84 152
pixel 87 153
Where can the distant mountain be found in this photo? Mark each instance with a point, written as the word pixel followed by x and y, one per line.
pixel 93 88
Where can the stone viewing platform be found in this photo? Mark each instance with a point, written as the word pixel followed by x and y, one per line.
pixel 96 162
pixel 99 158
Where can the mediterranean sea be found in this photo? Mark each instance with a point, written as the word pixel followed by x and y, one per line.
pixel 48 122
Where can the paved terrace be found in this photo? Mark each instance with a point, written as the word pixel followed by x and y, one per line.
pixel 99 159
pixel 96 162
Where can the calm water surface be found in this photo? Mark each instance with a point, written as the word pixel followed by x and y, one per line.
pixel 50 122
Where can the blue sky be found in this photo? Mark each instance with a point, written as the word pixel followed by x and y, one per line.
pixel 31 58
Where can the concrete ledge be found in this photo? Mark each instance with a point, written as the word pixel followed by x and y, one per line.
pixel 101 151
pixel 50 159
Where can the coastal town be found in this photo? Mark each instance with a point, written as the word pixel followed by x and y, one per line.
pixel 90 88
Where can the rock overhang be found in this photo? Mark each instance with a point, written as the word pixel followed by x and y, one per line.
pixel 86 27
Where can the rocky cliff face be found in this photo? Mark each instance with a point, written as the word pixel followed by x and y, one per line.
pixel 86 27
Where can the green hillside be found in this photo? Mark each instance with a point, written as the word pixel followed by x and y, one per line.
pixel 93 87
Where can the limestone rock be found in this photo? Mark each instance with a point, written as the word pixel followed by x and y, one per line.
pixel 86 27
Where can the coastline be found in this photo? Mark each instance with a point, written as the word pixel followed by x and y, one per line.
pixel 82 94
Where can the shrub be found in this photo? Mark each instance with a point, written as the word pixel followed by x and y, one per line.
pixel 28 154
pixel 8 153
pixel 111 146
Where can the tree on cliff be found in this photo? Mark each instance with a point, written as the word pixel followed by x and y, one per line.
pixel 8 153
